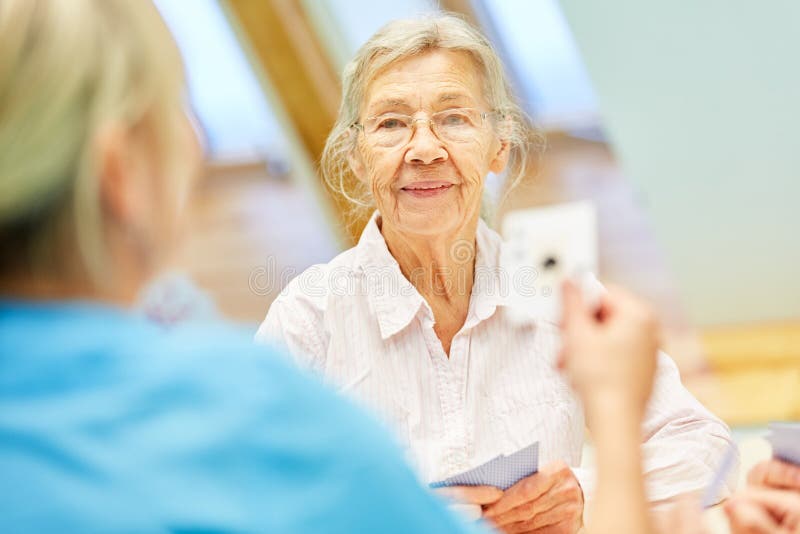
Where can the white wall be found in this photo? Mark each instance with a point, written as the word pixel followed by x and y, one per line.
pixel 701 100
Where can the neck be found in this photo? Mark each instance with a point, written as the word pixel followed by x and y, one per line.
pixel 441 265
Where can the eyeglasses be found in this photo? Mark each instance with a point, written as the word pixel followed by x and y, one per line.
pixel 457 125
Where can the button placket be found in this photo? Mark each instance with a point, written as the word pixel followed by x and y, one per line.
pixel 451 377
pixel 459 363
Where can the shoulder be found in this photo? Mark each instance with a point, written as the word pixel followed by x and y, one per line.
pixel 284 426
pixel 205 358
pixel 317 281
pixel 218 378
pixel 296 318
pixel 306 296
pixel 245 426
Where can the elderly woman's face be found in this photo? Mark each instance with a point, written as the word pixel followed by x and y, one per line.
pixel 427 182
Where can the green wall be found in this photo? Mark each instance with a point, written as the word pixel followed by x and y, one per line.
pixel 701 101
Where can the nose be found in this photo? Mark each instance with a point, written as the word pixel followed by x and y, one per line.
pixel 425 148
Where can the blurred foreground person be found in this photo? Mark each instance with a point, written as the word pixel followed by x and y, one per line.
pixel 108 422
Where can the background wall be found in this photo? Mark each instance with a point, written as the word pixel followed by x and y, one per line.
pixel 701 102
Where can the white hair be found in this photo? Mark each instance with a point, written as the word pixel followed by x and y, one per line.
pixel 399 40
pixel 67 69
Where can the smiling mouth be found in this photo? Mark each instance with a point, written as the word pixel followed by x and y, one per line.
pixel 427 189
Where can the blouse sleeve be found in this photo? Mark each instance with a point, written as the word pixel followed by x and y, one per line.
pixel 684 443
pixel 296 321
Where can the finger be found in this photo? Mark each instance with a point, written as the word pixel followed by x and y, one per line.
pixel 573 306
pixel 604 309
pixel 617 300
pixel 471 494
pixel 561 513
pixel 783 505
pixel 758 474
pixel 780 474
pixel 523 512
pixel 748 518
pixel 565 492
pixel 557 528
pixel 530 488
pixel 526 490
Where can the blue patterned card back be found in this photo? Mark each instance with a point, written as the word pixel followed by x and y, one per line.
pixel 501 472
pixel 785 441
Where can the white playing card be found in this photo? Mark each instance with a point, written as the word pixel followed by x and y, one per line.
pixel 542 248
pixel 502 472
pixel 785 441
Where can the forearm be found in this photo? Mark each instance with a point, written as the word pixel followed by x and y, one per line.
pixel 620 504
pixel 683 441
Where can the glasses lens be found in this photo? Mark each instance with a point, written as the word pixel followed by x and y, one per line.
pixel 457 125
pixel 388 130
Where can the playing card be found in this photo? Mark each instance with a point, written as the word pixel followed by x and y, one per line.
pixel 542 248
pixel 501 472
pixel 785 441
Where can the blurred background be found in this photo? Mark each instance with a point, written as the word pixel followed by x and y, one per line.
pixel 679 120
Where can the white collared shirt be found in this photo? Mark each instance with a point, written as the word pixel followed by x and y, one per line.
pixel 360 324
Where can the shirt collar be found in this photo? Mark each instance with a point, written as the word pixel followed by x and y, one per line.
pixel 396 302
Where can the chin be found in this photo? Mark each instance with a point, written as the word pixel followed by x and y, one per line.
pixel 430 222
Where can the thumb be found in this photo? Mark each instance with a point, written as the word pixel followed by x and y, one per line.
pixel 573 306
pixel 471 494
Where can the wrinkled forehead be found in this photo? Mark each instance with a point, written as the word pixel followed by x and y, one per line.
pixel 431 80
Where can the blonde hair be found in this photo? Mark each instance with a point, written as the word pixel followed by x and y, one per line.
pixel 401 39
pixel 67 69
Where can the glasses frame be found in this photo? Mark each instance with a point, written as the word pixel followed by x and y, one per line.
pixel 427 119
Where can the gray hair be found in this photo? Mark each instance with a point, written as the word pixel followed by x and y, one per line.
pixel 401 39
pixel 67 70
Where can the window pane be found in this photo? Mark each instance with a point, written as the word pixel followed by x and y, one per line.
pixel 540 49
pixel 226 94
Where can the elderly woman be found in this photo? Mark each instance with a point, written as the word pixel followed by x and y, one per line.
pixel 400 321
pixel 110 423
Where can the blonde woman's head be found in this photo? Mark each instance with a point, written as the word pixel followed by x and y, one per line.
pixel 96 151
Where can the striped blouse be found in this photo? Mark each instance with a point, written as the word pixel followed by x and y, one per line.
pixel 361 325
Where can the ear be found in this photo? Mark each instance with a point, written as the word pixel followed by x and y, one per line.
pixel 117 171
pixel 501 154
pixel 500 159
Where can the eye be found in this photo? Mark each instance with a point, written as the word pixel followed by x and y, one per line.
pixel 455 119
pixel 392 123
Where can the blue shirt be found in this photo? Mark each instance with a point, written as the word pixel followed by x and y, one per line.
pixel 111 424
